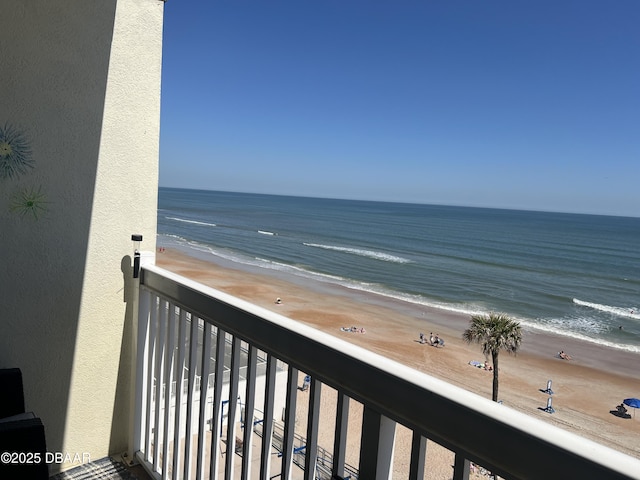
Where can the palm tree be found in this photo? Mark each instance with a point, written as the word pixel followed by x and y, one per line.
pixel 494 332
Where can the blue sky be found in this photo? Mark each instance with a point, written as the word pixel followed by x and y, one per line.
pixel 528 105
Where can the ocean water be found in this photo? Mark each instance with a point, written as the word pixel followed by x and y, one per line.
pixel 573 275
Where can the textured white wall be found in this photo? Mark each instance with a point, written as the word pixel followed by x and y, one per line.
pixel 80 82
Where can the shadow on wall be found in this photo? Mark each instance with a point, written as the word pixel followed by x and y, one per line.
pixel 122 415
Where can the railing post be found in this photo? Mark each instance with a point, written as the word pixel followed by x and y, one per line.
pixel 138 367
pixel 376 445
pixel 148 359
pixel 158 435
pixel 140 316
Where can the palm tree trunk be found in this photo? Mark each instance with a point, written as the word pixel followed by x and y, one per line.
pixel 494 358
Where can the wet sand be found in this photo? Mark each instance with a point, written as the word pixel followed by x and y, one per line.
pixel 586 388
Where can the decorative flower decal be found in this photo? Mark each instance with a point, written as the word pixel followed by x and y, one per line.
pixel 29 201
pixel 15 153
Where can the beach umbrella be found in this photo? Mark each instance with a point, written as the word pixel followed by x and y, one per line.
pixel 633 403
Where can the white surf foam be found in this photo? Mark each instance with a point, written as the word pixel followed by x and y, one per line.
pixel 631 312
pixel 191 221
pixel 362 252
pixel 297 270
pixel 564 332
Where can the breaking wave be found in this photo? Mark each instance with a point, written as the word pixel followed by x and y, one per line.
pixel 361 252
pixel 191 221
pixel 631 312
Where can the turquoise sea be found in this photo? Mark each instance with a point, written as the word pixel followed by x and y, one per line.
pixel 569 274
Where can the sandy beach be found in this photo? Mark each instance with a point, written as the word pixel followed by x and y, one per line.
pixel 587 388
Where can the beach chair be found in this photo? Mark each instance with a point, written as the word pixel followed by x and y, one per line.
pixel 548 390
pixel 549 408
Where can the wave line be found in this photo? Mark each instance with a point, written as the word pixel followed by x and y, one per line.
pixel 620 311
pixel 191 221
pixel 361 252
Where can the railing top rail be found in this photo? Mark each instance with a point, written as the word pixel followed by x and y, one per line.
pixel 513 444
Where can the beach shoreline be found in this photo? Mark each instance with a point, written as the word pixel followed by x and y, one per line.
pixel 587 388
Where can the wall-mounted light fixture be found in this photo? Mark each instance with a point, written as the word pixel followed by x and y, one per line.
pixel 136 239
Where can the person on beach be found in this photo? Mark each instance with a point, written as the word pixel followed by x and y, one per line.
pixel 422 338
pixel 564 356
pixel 305 383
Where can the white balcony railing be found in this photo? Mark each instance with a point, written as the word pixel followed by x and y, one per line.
pixel 254 360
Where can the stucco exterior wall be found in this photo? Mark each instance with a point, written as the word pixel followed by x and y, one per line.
pixel 80 113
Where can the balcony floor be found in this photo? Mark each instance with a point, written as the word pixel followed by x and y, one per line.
pixel 105 468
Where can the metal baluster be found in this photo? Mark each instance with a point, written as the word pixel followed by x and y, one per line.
pixel 204 387
pixel 340 439
pixel 153 321
pixel 233 406
pixel 159 376
pixel 289 423
pixel 193 354
pixel 311 448
pixel 169 369
pixel 139 435
pixel 376 445
pixel 418 454
pixel 216 416
pixel 267 421
pixel 460 467
pixel 249 411
pixel 180 377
